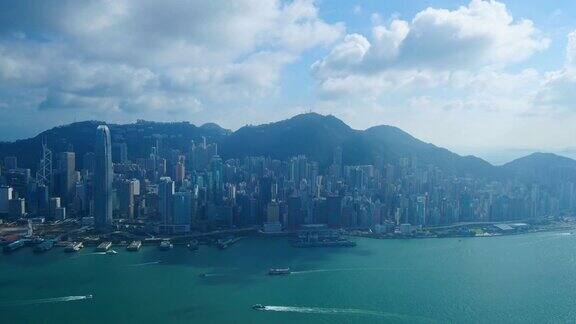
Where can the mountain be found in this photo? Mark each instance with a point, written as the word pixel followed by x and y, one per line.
pixel 392 143
pixel 314 135
pixel 311 134
pixel 139 137
pixel 317 136
pixel 542 167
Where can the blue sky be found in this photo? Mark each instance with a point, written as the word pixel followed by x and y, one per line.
pixel 492 78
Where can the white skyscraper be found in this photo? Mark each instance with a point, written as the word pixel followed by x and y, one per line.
pixel 103 178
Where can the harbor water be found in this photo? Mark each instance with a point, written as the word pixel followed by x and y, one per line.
pixel 523 278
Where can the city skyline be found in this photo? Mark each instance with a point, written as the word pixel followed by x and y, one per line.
pixel 170 178
pixel 498 90
pixel 287 161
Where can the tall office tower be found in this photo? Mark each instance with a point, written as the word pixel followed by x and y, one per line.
pixel 10 162
pixel 126 195
pixel 17 208
pixel 88 161
pixel 5 197
pixel 53 205
pixel 103 178
pixel 67 175
pixel 119 153
pixel 44 172
pixel 165 198
pixel 42 200
pixel 421 210
pixel 179 172
pixel 337 162
pixel 161 166
pixel 182 208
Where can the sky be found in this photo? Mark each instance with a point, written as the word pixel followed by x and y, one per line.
pixel 496 79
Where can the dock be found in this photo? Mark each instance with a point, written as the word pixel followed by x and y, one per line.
pixel 74 247
pixel 104 246
pixel 134 246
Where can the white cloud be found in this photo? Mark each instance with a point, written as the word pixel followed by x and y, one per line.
pixel 558 90
pixel 482 34
pixel 137 57
pixel 456 78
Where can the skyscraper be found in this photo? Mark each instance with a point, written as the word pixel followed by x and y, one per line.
pixel 67 175
pixel 119 153
pixel 5 197
pixel 165 200
pixel 103 178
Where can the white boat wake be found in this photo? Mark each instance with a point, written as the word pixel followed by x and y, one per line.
pixel 45 301
pixel 341 311
pixel 348 269
pixel 144 264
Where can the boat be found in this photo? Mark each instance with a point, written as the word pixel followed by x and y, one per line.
pixel 134 246
pixel 104 246
pixel 258 307
pixel 279 271
pixel 165 245
pixel 74 247
pixel 111 252
pixel 44 246
pixel 88 296
pixel 193 245
pixel 14 246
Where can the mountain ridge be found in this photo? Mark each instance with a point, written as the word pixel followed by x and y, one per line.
pixel 312 134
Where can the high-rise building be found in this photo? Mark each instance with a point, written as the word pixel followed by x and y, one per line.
pixel 17 208
pixel 126 198
pixel 421 210
pixel 5 197
pixel 88 161
pixel 119 153
pixel 42 200
pixel 165 199
pixel 182 208
pixel 67 175
pixel 10 162
pixel 54 204
pixel 179 172
pixel 337 161
pixel 103 178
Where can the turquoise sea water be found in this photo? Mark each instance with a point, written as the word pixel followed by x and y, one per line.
pixel 526 278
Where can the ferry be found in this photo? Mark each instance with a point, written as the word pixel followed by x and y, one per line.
pixel 104 246
pixel 74 247
pixel 44 246
pixel 165 245
pixel 134 246
pixel 14 246
pixel 258 307
pixel 279 271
